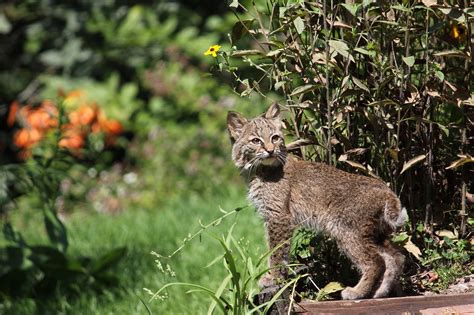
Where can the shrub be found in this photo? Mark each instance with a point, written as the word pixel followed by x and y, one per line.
pixel 383 89
pixel 32 270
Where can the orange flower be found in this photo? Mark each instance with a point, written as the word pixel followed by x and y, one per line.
pixel 113 127
pixel 12 114
pixel 42 117
pixel 73 139
pixel 25 138
pixel 84 115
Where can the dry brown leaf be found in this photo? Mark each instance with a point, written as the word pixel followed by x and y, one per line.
pixel 412 249
pixel 430 3
pixel 412 162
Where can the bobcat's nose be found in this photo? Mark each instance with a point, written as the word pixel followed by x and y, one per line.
pixel 270 149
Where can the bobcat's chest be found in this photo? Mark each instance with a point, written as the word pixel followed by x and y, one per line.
pixel 270 198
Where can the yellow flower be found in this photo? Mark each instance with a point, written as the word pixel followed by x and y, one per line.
pixel 458 31
pixel 212 51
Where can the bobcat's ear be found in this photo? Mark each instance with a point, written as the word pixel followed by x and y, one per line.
pixel 273 112
pixel 235 124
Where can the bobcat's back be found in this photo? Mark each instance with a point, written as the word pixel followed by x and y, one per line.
pixel 322 197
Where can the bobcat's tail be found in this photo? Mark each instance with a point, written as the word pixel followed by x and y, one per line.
pixel 394 214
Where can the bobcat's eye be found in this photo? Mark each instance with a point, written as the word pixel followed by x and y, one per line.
pixel 256 141
pixel 275 138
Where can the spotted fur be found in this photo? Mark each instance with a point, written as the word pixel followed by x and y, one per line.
pixel 359 212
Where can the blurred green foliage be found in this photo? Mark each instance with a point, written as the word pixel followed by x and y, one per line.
pixel 142 64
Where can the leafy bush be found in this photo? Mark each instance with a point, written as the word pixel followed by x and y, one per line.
pixel 382 89
pixel 39 270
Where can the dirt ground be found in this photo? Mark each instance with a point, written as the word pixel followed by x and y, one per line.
pixel 463 285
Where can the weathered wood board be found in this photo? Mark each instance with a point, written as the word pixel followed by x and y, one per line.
pixel 436 304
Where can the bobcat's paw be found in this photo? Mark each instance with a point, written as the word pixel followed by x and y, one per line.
pixel 266 281
pixel 351 294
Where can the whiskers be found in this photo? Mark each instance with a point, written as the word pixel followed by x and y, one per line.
pixel 251 166
pixel 281 157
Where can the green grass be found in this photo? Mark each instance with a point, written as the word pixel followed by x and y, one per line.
pixel 144 230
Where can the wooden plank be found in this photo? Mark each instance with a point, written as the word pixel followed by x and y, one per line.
pixel 436 304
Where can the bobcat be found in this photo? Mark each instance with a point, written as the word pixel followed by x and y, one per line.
pixel 359 212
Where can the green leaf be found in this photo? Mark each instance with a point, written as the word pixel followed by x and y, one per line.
pixel 400 7
pixel 55 229
pixel 279 85
pixel 452 53
pixel 234 4
pixel 218 294
pixel 146 305
pixel 303 89
pixel 329 288
pixel 360 84
pixel 410 61
pixel 108 260
pixel 413 161
pixel 270 303
pixel 340 47
pixel 351 7
pixel 440 75
pixel 400 238
pixel 249 52
pixel 240 29
pixel 5 25
pixel 363 51
pixel 275 52
pixel 299 25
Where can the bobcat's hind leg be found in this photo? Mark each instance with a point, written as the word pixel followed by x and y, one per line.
pixel 365 256
pixel 279 231
pixel 394 262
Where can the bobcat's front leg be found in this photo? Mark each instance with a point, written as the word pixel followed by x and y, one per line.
pixel 279 231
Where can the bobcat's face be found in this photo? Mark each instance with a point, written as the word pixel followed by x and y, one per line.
pixel 258 141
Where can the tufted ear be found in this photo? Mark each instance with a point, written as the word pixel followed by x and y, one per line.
pixel 235 125
pixel 273 112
